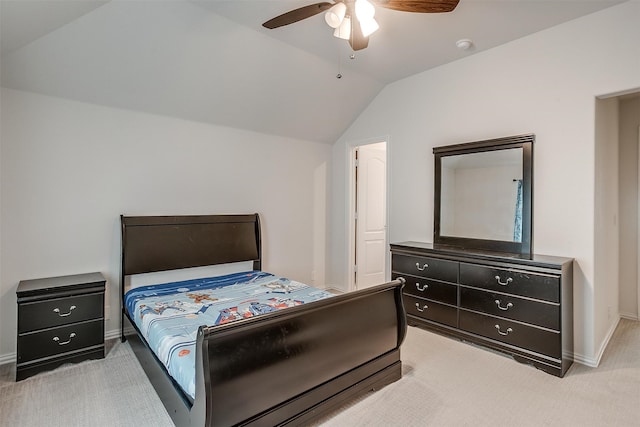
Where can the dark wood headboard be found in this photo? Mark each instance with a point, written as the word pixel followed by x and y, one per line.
pixel 161 243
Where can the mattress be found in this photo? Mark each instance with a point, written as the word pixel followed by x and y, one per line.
pixel 168 315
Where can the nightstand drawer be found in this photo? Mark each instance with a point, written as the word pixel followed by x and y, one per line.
pixel 538 313
pixel 534 285
pixel 59 311
pixel 430 310
pixel 431 289
pixel 432 268
pixel 517 334
pixel 55 341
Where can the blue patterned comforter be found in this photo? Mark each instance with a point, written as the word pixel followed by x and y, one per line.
pixel 168 315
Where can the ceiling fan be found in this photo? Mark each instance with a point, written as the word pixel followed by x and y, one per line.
pixel 353 20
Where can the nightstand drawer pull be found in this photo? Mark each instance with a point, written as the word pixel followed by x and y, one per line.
pixel 505 308
pixel 71 336
pixel 503 333
pixel 423 287
pixel 57 310
pixel 505 283
pixel 424 307
pixel 423 268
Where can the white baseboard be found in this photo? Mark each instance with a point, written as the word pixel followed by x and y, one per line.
pixel 7 358
pixel 594 362
pixel 630 316
pixel 114 333
pixel 587 361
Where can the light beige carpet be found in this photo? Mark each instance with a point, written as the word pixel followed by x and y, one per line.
pixel 109 392
pixel 449 383
pixel 445 383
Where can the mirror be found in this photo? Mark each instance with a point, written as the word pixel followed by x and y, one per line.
pixel 483 195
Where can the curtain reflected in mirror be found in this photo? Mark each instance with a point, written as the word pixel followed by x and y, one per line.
pixel 517 226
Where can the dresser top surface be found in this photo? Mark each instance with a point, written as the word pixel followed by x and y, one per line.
pixel 44 285
pixel 474 254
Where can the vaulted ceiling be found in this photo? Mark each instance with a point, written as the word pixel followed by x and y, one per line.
pixel 212 61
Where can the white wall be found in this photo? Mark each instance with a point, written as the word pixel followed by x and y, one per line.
pixel 70 169
pixel 545 84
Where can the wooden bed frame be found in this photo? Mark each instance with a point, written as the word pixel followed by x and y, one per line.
pixel 283 368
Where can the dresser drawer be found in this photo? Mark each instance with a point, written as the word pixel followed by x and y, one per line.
pixel 538 313
pixel 431 289
pixel 431 268
pixel 55 341
pixel 430 310
pixel 517 334
pixel 533 285
pixel 59 311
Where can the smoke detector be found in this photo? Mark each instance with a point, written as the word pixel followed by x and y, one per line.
pixel 464 44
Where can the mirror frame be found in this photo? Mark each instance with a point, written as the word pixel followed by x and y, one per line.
pixel 525 246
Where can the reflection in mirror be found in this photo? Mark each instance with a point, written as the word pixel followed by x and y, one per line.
pixel 481 195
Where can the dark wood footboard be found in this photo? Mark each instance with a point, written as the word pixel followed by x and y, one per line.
pixel 294 365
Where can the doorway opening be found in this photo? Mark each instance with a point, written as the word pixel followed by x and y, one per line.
pixel 618 134
pixel 368 239
pixel 626 122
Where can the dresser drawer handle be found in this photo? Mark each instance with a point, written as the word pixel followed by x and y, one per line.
pixel 505 308
pixel 57 310
pixel 505 283
pixel 424 307
pixel 503 333
pixel 71 336
pixel 423 268
pixel 423 288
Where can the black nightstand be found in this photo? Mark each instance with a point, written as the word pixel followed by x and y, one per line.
pixel 60 320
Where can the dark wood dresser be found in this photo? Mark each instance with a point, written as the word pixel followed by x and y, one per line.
pixel 60 320
pixel 516 305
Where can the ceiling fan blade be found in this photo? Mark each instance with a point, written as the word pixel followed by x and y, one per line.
pixel 419 6
pixel 297 15
pixel 357 40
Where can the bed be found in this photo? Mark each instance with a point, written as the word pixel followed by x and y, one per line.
pixel 283 367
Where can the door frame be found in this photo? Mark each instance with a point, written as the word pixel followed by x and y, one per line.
pixel 638 233
pixel 350 206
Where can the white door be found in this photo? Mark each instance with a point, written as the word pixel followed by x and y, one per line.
pixel 371 213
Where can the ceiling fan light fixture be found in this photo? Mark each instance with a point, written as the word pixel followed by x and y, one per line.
pixel 353 20
pixel 369 26
pixel 335 16
pixel 344 30
pixel 364 10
